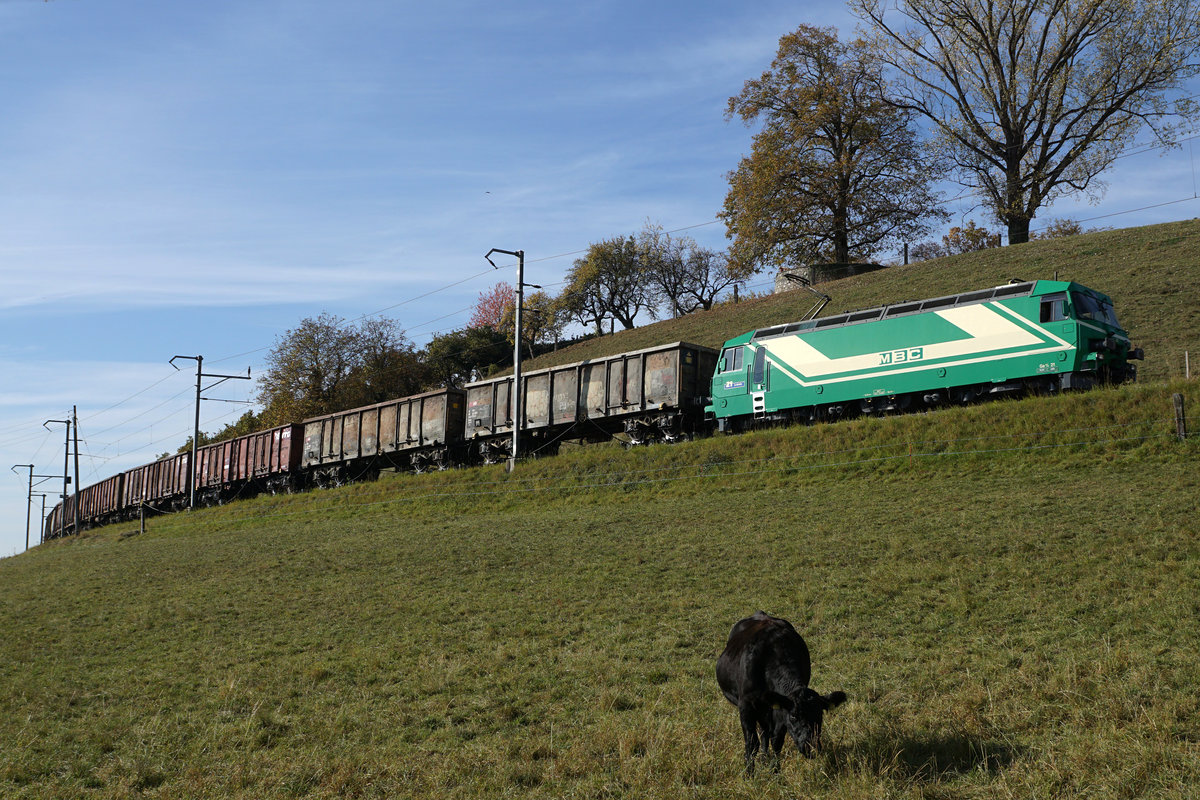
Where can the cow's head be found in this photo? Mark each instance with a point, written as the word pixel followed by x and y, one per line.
pixel 803 714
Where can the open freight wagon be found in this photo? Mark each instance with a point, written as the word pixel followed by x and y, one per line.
pixel 244 466
pixel 656 394
pixel 162 485
pixel 417 433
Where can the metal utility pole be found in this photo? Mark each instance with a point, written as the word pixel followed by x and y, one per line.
pixel 62 521
pixel 28 498
pixel 42 525
pixel 75 423
pixel 200 375
pixel 515 399
pixel 30 495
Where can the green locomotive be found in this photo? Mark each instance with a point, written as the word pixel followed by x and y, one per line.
pixel 1035 335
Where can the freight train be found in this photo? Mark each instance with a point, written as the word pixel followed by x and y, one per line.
pixel 1043 336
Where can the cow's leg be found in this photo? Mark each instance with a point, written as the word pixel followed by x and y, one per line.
pixel 778 735
pixel 750 733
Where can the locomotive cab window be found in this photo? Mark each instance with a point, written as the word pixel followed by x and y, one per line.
pixel 1090 307
pixel 731 359
pixel 1054 307
pixel 759 375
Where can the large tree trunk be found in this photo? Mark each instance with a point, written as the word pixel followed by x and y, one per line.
pixel 841 248
pixel 1018 230
pixel 841 238
pixel 1020 206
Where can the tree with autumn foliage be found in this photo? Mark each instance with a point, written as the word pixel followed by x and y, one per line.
pixel 457 357
pixel 969 238
pixel 542 320
pixel 1060 229
pixel 836 173
pixel 386 364
pixel 493 306
pixel 307 369
pixel 326 364
pixel 959 239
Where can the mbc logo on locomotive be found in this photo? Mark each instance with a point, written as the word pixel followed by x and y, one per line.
pixel 901 356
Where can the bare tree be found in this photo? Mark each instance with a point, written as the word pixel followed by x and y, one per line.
pixel 1033 99
pixel 665 258
pixel 709 275
pixel 684 276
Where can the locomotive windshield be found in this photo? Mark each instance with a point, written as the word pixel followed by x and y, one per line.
pixel 731 359
pixel 1090 307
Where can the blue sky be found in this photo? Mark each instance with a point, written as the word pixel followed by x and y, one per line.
pixel 196 178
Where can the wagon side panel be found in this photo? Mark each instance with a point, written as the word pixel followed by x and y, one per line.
pixel 592 391
pixel 565 394
pixel 661 379
pixel 536 407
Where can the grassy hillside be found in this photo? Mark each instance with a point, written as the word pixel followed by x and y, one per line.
pixel 1152 274
pixel 1006 592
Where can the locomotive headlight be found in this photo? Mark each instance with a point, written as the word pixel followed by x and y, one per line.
pixel 1108 343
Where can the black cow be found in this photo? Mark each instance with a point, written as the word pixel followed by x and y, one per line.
pixel 764 671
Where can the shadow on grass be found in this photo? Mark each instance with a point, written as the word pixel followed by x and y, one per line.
pixel 929 758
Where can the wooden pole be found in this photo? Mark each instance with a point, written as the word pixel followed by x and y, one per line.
pixel 1180 418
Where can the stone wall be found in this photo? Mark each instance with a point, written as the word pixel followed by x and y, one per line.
pixel 820 273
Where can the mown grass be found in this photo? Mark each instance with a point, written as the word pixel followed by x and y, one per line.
pixel 1150 272
pixel 1006 592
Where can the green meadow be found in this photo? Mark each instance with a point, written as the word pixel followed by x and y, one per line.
pixel 1007 593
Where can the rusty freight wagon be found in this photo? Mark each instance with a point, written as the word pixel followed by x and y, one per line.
pixel 418 433
pixel 100 503
pixel 162 485
pixel 244 466
pixel 53 527
pixel 650 395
